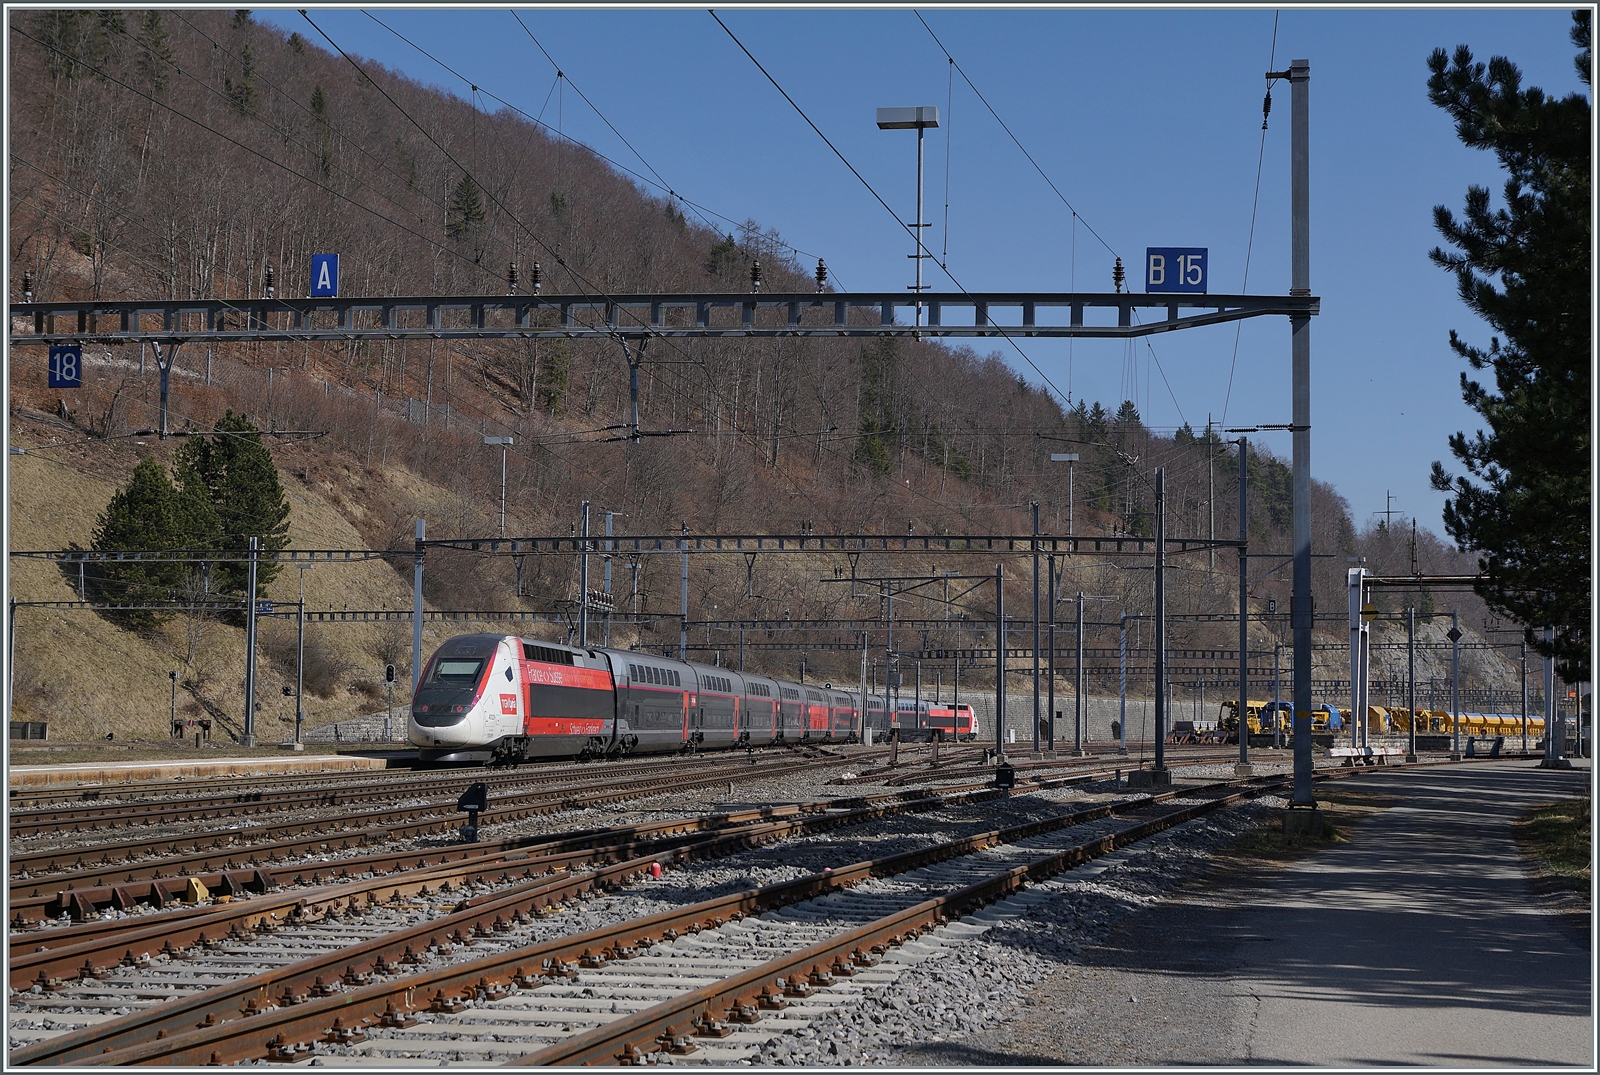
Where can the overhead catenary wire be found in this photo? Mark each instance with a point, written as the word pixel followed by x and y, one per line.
pixel 1012 136
pixel 446 391
pixel 553 251
pixel 914 233
pixel 340 195
pixel 574 273
pixel 563 79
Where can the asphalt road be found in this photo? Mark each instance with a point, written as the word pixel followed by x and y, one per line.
pixel 1420 942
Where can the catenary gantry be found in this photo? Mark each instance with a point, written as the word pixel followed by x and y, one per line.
pixel 828 314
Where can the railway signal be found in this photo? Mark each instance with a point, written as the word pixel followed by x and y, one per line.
pixel 388 714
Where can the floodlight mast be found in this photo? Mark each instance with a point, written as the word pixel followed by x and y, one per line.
pixel 919 119
pixel 504 443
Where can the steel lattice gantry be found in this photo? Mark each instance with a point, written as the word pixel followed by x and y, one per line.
pixel 827 314
pixel 621 545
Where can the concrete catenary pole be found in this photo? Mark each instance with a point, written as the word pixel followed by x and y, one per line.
pixel 1244 605
pixel 1036 714
pixel 1455 683
pixel 1552 741
pixel 250 648
pixel 416 606
pixel 1300 361
pixel 1122 684
pixel 1000 661
pixel 1050 672
pixel 1411 681
pixel 683 608
pixel 1161 621
pixel 1078 711
pixel 583 581
pixel 1524 663
pixel 1353 591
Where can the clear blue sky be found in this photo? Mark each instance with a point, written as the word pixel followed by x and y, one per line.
pixel 1149 122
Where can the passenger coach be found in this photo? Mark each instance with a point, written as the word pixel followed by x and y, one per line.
pixel 502 700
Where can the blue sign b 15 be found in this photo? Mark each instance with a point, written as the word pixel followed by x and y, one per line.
pixel 1175 268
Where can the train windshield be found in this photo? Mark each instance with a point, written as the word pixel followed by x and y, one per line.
pixel 457 671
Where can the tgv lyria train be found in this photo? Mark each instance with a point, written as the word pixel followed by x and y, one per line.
pixel 503 699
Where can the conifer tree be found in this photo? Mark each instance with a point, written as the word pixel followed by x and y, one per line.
pixel 155 54
pixel 1523 501
pixel 466 210
pixel 146 514
pixel 241 483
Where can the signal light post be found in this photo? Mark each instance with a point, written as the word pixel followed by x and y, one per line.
pixel 388 714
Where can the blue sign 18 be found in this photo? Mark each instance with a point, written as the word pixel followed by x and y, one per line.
pixel 324 276
pixel 1175 268
pixel 66 366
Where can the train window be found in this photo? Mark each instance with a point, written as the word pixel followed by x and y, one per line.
pixel 675 681
pixel 459 670
pixel 792 695
pixel 548 654
pixel 814 696
pixel 551 701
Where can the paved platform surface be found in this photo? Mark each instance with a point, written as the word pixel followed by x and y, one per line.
pixel 127 772
pixel 1420 942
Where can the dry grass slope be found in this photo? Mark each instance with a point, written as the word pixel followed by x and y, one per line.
pixel 119 681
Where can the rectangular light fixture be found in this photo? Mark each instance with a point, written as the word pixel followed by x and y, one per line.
pixel 908 119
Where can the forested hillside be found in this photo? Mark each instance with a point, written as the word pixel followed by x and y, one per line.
pixel 184 153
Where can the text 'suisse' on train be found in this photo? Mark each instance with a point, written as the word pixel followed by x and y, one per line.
pixel 502 699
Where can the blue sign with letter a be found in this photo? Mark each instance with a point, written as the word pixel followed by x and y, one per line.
pixel 1175 268
pixel 324 276
pixel 66 366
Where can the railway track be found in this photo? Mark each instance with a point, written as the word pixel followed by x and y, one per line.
pixel 104 943
pixel 184 809
pixel 123 862
pixel 169 809
pixel 520 942
pixel 236 863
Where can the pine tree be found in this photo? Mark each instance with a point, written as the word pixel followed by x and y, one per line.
pixel 243 92
pixel 1523 502
pixel 466 210
pixel 144 515
pixel 155 54
pixel 242 486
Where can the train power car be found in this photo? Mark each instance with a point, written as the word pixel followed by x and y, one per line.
pixel 921 721
pixel 501 699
